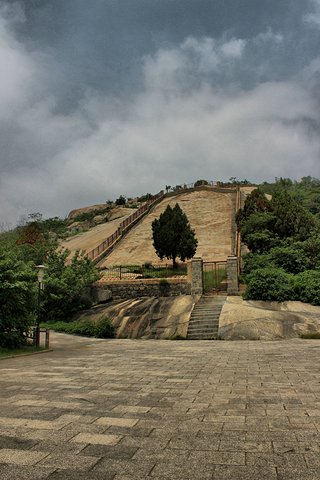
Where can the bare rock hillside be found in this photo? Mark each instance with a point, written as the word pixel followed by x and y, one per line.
pixel 211 214
pixel 86 241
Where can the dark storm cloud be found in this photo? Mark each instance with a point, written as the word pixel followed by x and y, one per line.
pixel 113 97
pixel 100 44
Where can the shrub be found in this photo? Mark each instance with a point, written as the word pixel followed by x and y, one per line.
pixel 87 328
pixel 291 259
pixel 17 299
pixel 307 286
pixel 270 284
pixel 253 261
pixel 121 200
pixel 66 284
pixel 104 328
pixel 198 183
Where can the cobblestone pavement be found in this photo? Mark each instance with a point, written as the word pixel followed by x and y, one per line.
pixel 122 409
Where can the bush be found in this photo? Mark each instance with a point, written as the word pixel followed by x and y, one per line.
pixel 87 328
pixel 198 183
pixel 307 285
pixel 121 200
pixel 104 328
pixel 270 284
pixel 66 284
pixel 17 300
pixel 291 259
pixel 253 261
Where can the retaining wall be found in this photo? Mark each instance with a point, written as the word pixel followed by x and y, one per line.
pixel 147 288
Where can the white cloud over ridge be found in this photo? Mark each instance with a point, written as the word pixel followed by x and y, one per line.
pixel 180 127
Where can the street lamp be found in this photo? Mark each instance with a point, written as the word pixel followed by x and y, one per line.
pixel 40 275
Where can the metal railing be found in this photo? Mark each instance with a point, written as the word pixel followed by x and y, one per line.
pixel 135 272
pixel 103 246
pixel 97 251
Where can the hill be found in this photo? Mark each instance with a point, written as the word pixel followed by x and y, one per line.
pixel 211 213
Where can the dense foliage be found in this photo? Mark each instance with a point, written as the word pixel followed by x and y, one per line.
pixel 172 235
pixel 103 328
pixel 17 299
pixel 283 237
pixel 65 282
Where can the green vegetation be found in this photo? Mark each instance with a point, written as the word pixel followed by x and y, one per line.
pixel 66 283
pixel 198 183
pixel 172 235
pixel 103 328
pixel 306 191
pixel 88 216
pixel 121 200
pixel 145 271
pixel 17 299
pixel 283 236
pixel 212 279
pixel 28 349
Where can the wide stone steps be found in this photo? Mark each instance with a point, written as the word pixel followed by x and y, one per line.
pixel 204 319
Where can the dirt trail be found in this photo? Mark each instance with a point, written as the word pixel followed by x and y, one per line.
pixel 86 241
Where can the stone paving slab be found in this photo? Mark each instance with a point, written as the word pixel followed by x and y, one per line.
pixel 128 410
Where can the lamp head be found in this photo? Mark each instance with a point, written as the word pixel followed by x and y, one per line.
pixel 41 271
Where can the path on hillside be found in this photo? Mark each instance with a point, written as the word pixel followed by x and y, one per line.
pixel 86 241
pixel 210 213
pixel 200 410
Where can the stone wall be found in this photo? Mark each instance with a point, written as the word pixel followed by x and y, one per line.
pixel 196 276
pixel 147 288
pixel 232 275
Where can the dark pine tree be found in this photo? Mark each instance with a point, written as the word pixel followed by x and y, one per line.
pixel 172 235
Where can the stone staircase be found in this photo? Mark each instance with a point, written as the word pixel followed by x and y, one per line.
pixel 204 320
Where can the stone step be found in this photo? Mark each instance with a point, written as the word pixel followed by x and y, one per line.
pixel 203 324
pixel 201 331
pixel 200 328
pixel 200 336
pixel 204 320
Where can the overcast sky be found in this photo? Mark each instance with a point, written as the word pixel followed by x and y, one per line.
pixel 106 97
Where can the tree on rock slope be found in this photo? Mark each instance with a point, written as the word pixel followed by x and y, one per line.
pixel 173 236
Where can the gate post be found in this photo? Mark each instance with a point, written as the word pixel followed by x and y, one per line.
pixel 196 276
pixel 232 275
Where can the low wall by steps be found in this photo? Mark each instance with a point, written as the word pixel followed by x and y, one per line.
pixel 146 288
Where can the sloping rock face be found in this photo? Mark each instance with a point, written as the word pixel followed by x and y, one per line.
pixel 147 317
pixel 254 320
pixel 86 241
pixel 78 211
pixel 211 213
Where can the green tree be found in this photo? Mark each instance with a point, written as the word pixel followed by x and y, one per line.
pixel 121 200
pixel 292 219
pixel 66 284
pixel 17 299
pixel 172 235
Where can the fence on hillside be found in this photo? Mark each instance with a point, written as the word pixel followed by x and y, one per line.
pixel 132 272
pixel 108 242
pixel 131 220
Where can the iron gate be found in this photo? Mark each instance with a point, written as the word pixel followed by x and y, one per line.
pixel 215 276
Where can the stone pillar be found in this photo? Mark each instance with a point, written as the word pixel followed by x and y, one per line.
pixel 232 275
pixel 196 276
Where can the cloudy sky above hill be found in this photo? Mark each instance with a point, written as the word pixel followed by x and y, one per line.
pixel 106 97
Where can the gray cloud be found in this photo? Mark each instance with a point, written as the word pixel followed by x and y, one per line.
pixel 209 106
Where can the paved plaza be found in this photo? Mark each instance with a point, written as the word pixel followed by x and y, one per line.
pixel 125 409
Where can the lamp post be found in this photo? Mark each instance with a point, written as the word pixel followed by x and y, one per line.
pixel 40 274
